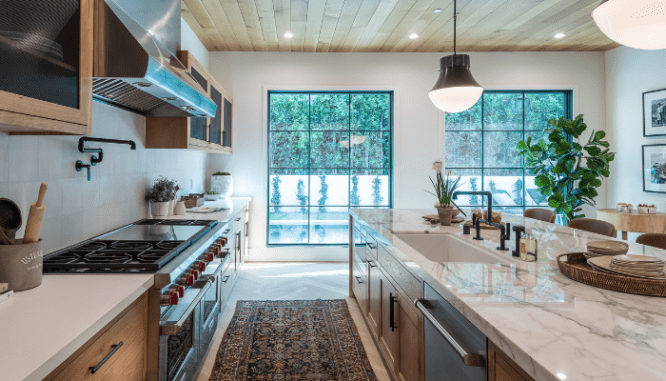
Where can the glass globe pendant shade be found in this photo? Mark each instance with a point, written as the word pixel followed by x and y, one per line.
pixel 639 24
pixel 456 89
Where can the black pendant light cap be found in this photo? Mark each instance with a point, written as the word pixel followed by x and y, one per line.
pixel 455 72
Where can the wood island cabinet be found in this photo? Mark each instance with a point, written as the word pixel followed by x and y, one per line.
pixel 206 134
pixel 385 293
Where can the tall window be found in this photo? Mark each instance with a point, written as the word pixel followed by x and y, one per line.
pixel 481 145
pixel 328 151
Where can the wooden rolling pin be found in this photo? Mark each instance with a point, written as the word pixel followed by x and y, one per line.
pixel 35 218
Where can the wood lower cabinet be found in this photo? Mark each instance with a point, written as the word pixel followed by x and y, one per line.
pixel 393 321
pixel 125 361
pixel 502 368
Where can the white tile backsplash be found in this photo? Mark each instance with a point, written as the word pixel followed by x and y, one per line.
pixel 77 209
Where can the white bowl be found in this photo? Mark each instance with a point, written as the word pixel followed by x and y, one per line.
pixel 212 197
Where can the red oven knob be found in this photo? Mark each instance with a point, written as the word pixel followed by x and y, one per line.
pixel 186 279
pixel 208 256
pixel 181 291
pixel 195 275
pixel 216 249
pixel 169 298
pixel 223 241
pixel 200 265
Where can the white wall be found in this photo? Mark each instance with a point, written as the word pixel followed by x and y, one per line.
pixel 630 73
pixel 189 41
pixel 77 209
pixel 418 124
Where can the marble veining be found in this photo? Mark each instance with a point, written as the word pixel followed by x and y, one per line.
pixel 553 327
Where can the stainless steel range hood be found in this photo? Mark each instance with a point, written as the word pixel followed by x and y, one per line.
pixel 134 60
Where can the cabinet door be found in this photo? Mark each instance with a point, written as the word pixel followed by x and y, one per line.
pixel 390 323
pixel 46 65
pixel 409 364
pixel 215 130
pixel 360 288
pixel 375 297
pixel 228 122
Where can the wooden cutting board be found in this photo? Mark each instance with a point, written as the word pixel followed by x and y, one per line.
pixel 484 226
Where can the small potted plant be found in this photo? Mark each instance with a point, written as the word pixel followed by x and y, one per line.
pixel 222 183
pixel 444 190
pixel 211 196
pixel 161 197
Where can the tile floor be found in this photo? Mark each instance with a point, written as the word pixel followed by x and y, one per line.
pixel 293 281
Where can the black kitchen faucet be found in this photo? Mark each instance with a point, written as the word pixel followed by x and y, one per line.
pixel 505 232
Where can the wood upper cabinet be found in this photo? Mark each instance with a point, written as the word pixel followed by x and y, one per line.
pixel 46 67
pixel 205 134
pixel 117 352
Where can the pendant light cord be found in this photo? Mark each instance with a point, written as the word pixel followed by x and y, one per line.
pixel 455 19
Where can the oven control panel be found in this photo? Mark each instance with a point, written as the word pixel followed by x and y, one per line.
pixel 187 278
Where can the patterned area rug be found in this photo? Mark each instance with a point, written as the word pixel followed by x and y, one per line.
pixel 292 340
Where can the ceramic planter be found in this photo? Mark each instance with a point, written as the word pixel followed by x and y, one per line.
pixel 180 208
pixel 222 184
pixel 445 214
pixel 212 197
pixel 159 210
pixel 21 265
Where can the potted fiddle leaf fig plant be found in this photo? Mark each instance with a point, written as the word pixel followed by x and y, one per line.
pixel 161 196
pixel 444 189
pixel 568 172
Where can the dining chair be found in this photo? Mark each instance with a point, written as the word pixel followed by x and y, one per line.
pixel 545 215
pixel 594 226
pixel 654 240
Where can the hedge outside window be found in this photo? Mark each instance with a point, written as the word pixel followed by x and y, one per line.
pixel 480 145
pixel 328 151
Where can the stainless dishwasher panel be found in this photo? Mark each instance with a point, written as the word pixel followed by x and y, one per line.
pixel 455 350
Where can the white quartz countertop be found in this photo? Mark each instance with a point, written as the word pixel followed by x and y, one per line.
pixel 552 326
pixel 40 328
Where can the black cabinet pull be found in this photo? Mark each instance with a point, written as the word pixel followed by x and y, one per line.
pixel 371 265
pixel 392 312
pixel 94 369
pixel 371 245
pixel 358 279
pixel 226 278
pixel 239 218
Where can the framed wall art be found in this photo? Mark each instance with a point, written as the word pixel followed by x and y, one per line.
pixel 654 168
pixel 654 113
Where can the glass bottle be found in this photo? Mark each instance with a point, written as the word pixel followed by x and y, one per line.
pixel 529 247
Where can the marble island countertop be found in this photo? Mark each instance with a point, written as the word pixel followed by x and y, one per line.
pixel 552 326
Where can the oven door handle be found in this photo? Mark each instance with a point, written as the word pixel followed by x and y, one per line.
pixel 469 359
pixel 170 327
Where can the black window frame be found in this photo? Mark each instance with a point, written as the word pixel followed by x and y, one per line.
pixel 568 108
pixel 309 169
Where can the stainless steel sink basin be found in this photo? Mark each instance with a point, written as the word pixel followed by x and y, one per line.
pixel 446 248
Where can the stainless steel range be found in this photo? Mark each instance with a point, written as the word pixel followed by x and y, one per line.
pixel 188 258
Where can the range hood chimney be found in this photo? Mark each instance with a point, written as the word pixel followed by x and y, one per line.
pixel 134 62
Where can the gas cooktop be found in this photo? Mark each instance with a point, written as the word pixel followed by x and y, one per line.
pixel 144 246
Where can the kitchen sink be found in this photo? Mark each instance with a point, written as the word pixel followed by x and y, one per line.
pixel 447 248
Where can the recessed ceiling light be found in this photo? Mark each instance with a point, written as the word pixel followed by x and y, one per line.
pixel 560 35
pixel 438 10
pixel 413 36
pixel 288 35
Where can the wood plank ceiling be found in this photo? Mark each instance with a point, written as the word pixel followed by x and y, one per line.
pixel 386 25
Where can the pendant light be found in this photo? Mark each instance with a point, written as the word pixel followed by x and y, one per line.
pixel 456 89
pixel 639 24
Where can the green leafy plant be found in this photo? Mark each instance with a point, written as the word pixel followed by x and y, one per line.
pixel 323 191
pixel 568 173
pixel 276 198
pixel 211 192
pixel 221 174
pixel 301 197
pixel 377 191
pixel 163 190
pixel 444 189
